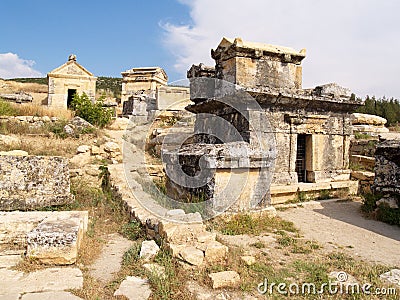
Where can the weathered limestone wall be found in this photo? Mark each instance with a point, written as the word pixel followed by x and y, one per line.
pixel 30 182
pixel 387 167
pixel 172 98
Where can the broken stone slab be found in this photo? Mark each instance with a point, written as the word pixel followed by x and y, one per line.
pixel 363 175
pixel 52 279
pixel 215 252
pixel 343 278
pixel 149 250
pixel 155 269
pixel 393 276
pixel 56 240
pixel 50 296
pixel 180 233
pixel 134 288
pixel 358 118
pixel 192 255
pixel 224 279
pixel 109 261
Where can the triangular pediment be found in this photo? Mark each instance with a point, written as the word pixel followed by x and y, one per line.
pixel 71 68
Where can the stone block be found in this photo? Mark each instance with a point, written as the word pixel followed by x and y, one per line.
pixel 215 252
pixel 224 279
pixel 134 288
pixel 192 255
pixel 148 250
pixel 56 240
pixel 30 182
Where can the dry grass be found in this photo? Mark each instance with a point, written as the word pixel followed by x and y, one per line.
pixel 46 146
pixel 41 111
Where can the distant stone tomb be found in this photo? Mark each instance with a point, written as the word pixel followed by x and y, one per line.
pixel 67 80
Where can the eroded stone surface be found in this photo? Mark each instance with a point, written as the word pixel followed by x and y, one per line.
pixel 192 255
pixel 109 261
pixel 30 182
pixel 52 279
pixel 56 240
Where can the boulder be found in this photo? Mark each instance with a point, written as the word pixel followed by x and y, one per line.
pixel 248 260
pixel 119 124
pixel 393 276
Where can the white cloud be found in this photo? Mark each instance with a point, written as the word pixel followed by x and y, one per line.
pixel 352 42
pixel 12 66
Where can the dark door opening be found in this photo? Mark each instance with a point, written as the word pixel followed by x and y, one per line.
pixel 71 94
pixel 301 158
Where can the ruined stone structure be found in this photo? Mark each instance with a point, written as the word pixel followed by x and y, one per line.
pixel 298 137
pixel 67 80
pixel 145 90
pixel 32 182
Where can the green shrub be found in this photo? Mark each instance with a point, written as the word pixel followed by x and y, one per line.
pixel 388 215
pixel 369 202
pixel 94 113
pixel 6 109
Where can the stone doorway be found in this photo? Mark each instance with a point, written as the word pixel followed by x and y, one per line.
pixel 301 158
pixel 71 94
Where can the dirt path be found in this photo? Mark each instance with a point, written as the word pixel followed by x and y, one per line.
pixel 338 224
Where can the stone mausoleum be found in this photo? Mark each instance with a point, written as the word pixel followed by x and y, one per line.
pixel 146 90
pixel 67 80
pixel 292 138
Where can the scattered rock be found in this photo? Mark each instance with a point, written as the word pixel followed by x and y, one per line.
pixel 343 278
pixel 80 123
pixel 83 149
pixel 80 160
pixel 215 252
pixel 393 276
pixel 46 119
pixel 148 250
pixel 392 202
pixel 155 269
pixel 95 150
pixel 134 288
pixel 248 260
pixel 192 255
pixel 68 130
pixel 111 147
pixel 224 279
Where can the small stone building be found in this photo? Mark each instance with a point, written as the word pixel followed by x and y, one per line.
pixel 292 138
pixel 67 80
pixel 146 89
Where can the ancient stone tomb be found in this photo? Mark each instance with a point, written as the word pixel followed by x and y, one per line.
pixel 256 126
pixel 67 80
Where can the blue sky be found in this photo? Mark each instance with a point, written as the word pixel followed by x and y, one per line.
pixel 354 43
